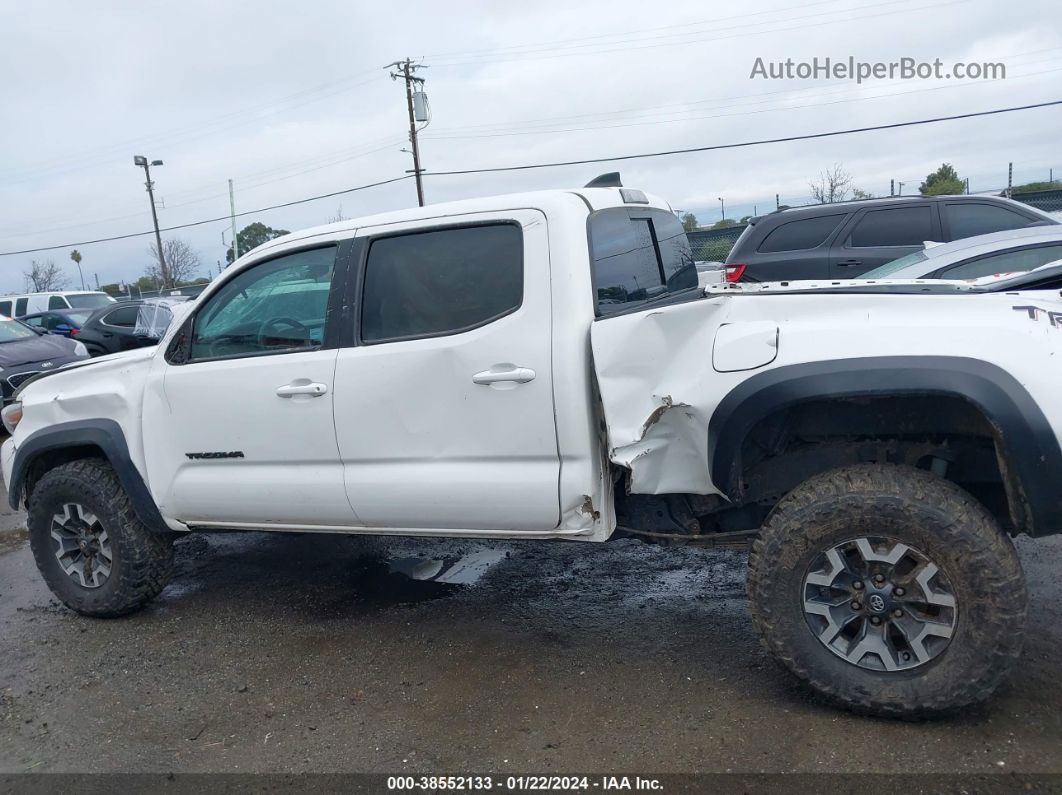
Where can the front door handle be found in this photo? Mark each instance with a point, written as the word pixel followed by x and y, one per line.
pixel 504 373
pixel 848 262
pixel 301 387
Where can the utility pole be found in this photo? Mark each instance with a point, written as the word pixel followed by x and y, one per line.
pixel 232 215
pixel 1010 178
pixel 140 160
pixel 892 187
pixel 417 112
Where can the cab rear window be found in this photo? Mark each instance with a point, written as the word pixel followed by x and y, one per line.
pixel 638 255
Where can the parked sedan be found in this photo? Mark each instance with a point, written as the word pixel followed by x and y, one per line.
pixel 1013 251
pixel 65 323
pixel 25 351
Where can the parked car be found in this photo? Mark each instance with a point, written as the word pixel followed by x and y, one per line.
pixel 25 352
pixel 545 366
pixel 1014 251
pixel 65 323
pixel 30 303
pixel 114 328
pixel 846 239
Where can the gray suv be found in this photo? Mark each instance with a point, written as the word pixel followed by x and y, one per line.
pixel 846 239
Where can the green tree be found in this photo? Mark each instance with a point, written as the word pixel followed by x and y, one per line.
pixel 112 290
pixel 724 223
pixel 689 222
pixel 944 180
pixel 254 235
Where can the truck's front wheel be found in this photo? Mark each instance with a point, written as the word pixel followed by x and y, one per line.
pixel 93 551
pixel 888 590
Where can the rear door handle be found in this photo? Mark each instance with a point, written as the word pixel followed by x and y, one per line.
pixel 301 387
pixel 504 373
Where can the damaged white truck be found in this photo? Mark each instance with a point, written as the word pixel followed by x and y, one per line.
pixel 544 366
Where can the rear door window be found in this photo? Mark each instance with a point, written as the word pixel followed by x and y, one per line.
pixel 896 226
pixel 57 302
pixel 443 281
pixel 5 308
pixel 966 219
pixel 801 234
pixel 1005 262
pixel 638 255
pixel 21 306
pixel 123 316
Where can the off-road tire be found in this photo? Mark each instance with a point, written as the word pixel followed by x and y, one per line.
pixel 142 560
pixel 917 508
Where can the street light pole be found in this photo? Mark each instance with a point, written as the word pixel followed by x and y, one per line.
pixel 722 208
pixel 140 160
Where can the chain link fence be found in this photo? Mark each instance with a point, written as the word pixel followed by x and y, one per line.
pixel 712 245
pixel 1050 201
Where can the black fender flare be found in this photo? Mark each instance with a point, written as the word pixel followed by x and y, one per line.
pixel 1028 441
pixel 104 434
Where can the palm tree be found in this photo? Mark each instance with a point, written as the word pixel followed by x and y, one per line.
pixel 75 255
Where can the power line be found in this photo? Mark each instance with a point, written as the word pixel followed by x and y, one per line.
pixel 502 133
pixel 529 166
pixel 634 44
pixel 210 220
pixel 760 98
pixel 684 25
pixel 741 144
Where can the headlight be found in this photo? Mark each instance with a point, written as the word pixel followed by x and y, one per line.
pixel 12 415
pixel 80 350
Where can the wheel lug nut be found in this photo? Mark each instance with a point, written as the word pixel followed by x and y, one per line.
pixel 857 606
pixel 899 591
pixel 897 613
pixel 875 620
pixel 858 585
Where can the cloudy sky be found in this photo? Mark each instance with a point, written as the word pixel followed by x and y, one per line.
pixel 290 100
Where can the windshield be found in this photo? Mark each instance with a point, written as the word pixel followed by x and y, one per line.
pixel 89 300
pixel 895 265
pixel 13 331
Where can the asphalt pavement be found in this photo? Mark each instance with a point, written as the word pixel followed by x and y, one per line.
pixel 272 652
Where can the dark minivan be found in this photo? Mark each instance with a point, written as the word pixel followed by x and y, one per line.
pixel 846 239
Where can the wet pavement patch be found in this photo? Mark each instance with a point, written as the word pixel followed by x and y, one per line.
pixel 408 580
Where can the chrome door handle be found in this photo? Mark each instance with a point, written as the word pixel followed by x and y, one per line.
pixel 504 373
pixel 301 387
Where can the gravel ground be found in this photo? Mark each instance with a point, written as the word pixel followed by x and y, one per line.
pixel 312 653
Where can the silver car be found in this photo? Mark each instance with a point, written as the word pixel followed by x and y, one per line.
pixel 1011 251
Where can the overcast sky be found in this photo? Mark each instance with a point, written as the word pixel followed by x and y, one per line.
pixel 290 100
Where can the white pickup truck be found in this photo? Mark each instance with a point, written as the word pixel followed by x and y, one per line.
pixel 544 365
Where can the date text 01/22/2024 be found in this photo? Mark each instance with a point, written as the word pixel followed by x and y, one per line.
pixel 522 783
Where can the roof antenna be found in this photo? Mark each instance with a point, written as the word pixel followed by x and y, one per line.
pixel 609 180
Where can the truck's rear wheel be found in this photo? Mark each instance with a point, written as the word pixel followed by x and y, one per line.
pixel 93 551
pixel 888 590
